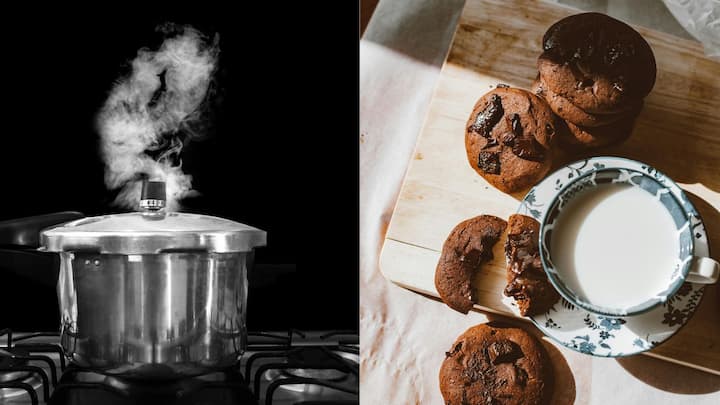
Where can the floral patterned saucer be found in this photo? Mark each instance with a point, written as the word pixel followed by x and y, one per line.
pixel 600 335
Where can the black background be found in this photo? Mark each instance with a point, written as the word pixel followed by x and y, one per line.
pixel 277 122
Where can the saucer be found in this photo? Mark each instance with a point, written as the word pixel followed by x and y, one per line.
pixel 600 335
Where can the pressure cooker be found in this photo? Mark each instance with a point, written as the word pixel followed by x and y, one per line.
pixel 153 294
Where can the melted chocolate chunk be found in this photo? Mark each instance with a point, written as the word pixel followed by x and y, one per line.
pixel 587 82
pixel 528 149
pixel 508 138
pixel 504 351
pixel 532 295
pixel 490 143
pixel 488 117
pixel 527 281
pixel 489 162
pixel 521 375
pixel 524 253
pixel 549 129
pixel 516 125
pixel 513 289
pixel 521 287
pixel 502 86
pixel 525 238
pixel 523 147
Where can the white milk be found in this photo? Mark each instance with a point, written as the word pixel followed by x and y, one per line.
pixel 615 245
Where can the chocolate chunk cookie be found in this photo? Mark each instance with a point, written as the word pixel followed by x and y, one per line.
pixel 509 138
pixel 527 282
pixel 570 112
pixel 596 62
pixel 489 364
pixel 465 250
pixel 576 136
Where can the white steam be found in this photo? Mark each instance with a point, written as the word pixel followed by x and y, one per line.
pixel 143 114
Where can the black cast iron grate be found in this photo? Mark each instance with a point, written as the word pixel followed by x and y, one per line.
pixel 285 359
pixel 15 357
pixel 279 348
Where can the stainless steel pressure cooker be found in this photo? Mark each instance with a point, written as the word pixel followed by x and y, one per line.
pixel 153 294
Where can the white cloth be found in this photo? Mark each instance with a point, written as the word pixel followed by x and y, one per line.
pixel 403 334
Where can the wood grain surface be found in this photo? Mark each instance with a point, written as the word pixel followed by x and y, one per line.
pixel 678 132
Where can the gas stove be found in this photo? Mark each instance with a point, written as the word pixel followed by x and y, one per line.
pixel 291 367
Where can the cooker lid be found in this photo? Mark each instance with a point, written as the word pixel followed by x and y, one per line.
pixel 143 233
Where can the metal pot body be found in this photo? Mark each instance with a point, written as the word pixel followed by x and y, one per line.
pixel 163 315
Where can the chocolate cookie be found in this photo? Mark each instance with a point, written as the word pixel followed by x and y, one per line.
pixel 509 138
pixel 465 250
pixel 527 282
pixel 569 111
pixel 596 62
pixel 575 136
pixel 489 364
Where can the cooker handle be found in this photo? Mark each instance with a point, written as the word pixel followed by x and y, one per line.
pixel 19 239
pixel 25 232
pixel 41 267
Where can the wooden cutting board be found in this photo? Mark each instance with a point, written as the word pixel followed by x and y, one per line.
pixel 678 132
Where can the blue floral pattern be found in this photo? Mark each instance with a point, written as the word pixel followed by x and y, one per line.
pixel 678 316
pixel 605 336
pixel 583 345
pixel 612 323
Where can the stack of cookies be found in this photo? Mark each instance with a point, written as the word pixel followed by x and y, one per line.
pixel 594 73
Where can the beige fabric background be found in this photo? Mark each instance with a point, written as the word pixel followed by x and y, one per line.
pixel 403 334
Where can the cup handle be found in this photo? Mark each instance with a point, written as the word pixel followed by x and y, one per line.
pixel 703 270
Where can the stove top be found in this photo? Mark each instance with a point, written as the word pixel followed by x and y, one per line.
pixel 278 368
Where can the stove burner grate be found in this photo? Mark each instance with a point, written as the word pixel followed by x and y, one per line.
pixel 298 368
pixel 17 376
pixel 308 368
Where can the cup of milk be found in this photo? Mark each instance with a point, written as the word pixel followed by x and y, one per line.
pixel 617 242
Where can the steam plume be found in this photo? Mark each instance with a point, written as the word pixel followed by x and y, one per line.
pixel 146 117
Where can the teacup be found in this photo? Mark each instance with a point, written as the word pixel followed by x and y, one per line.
pixel 617 242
